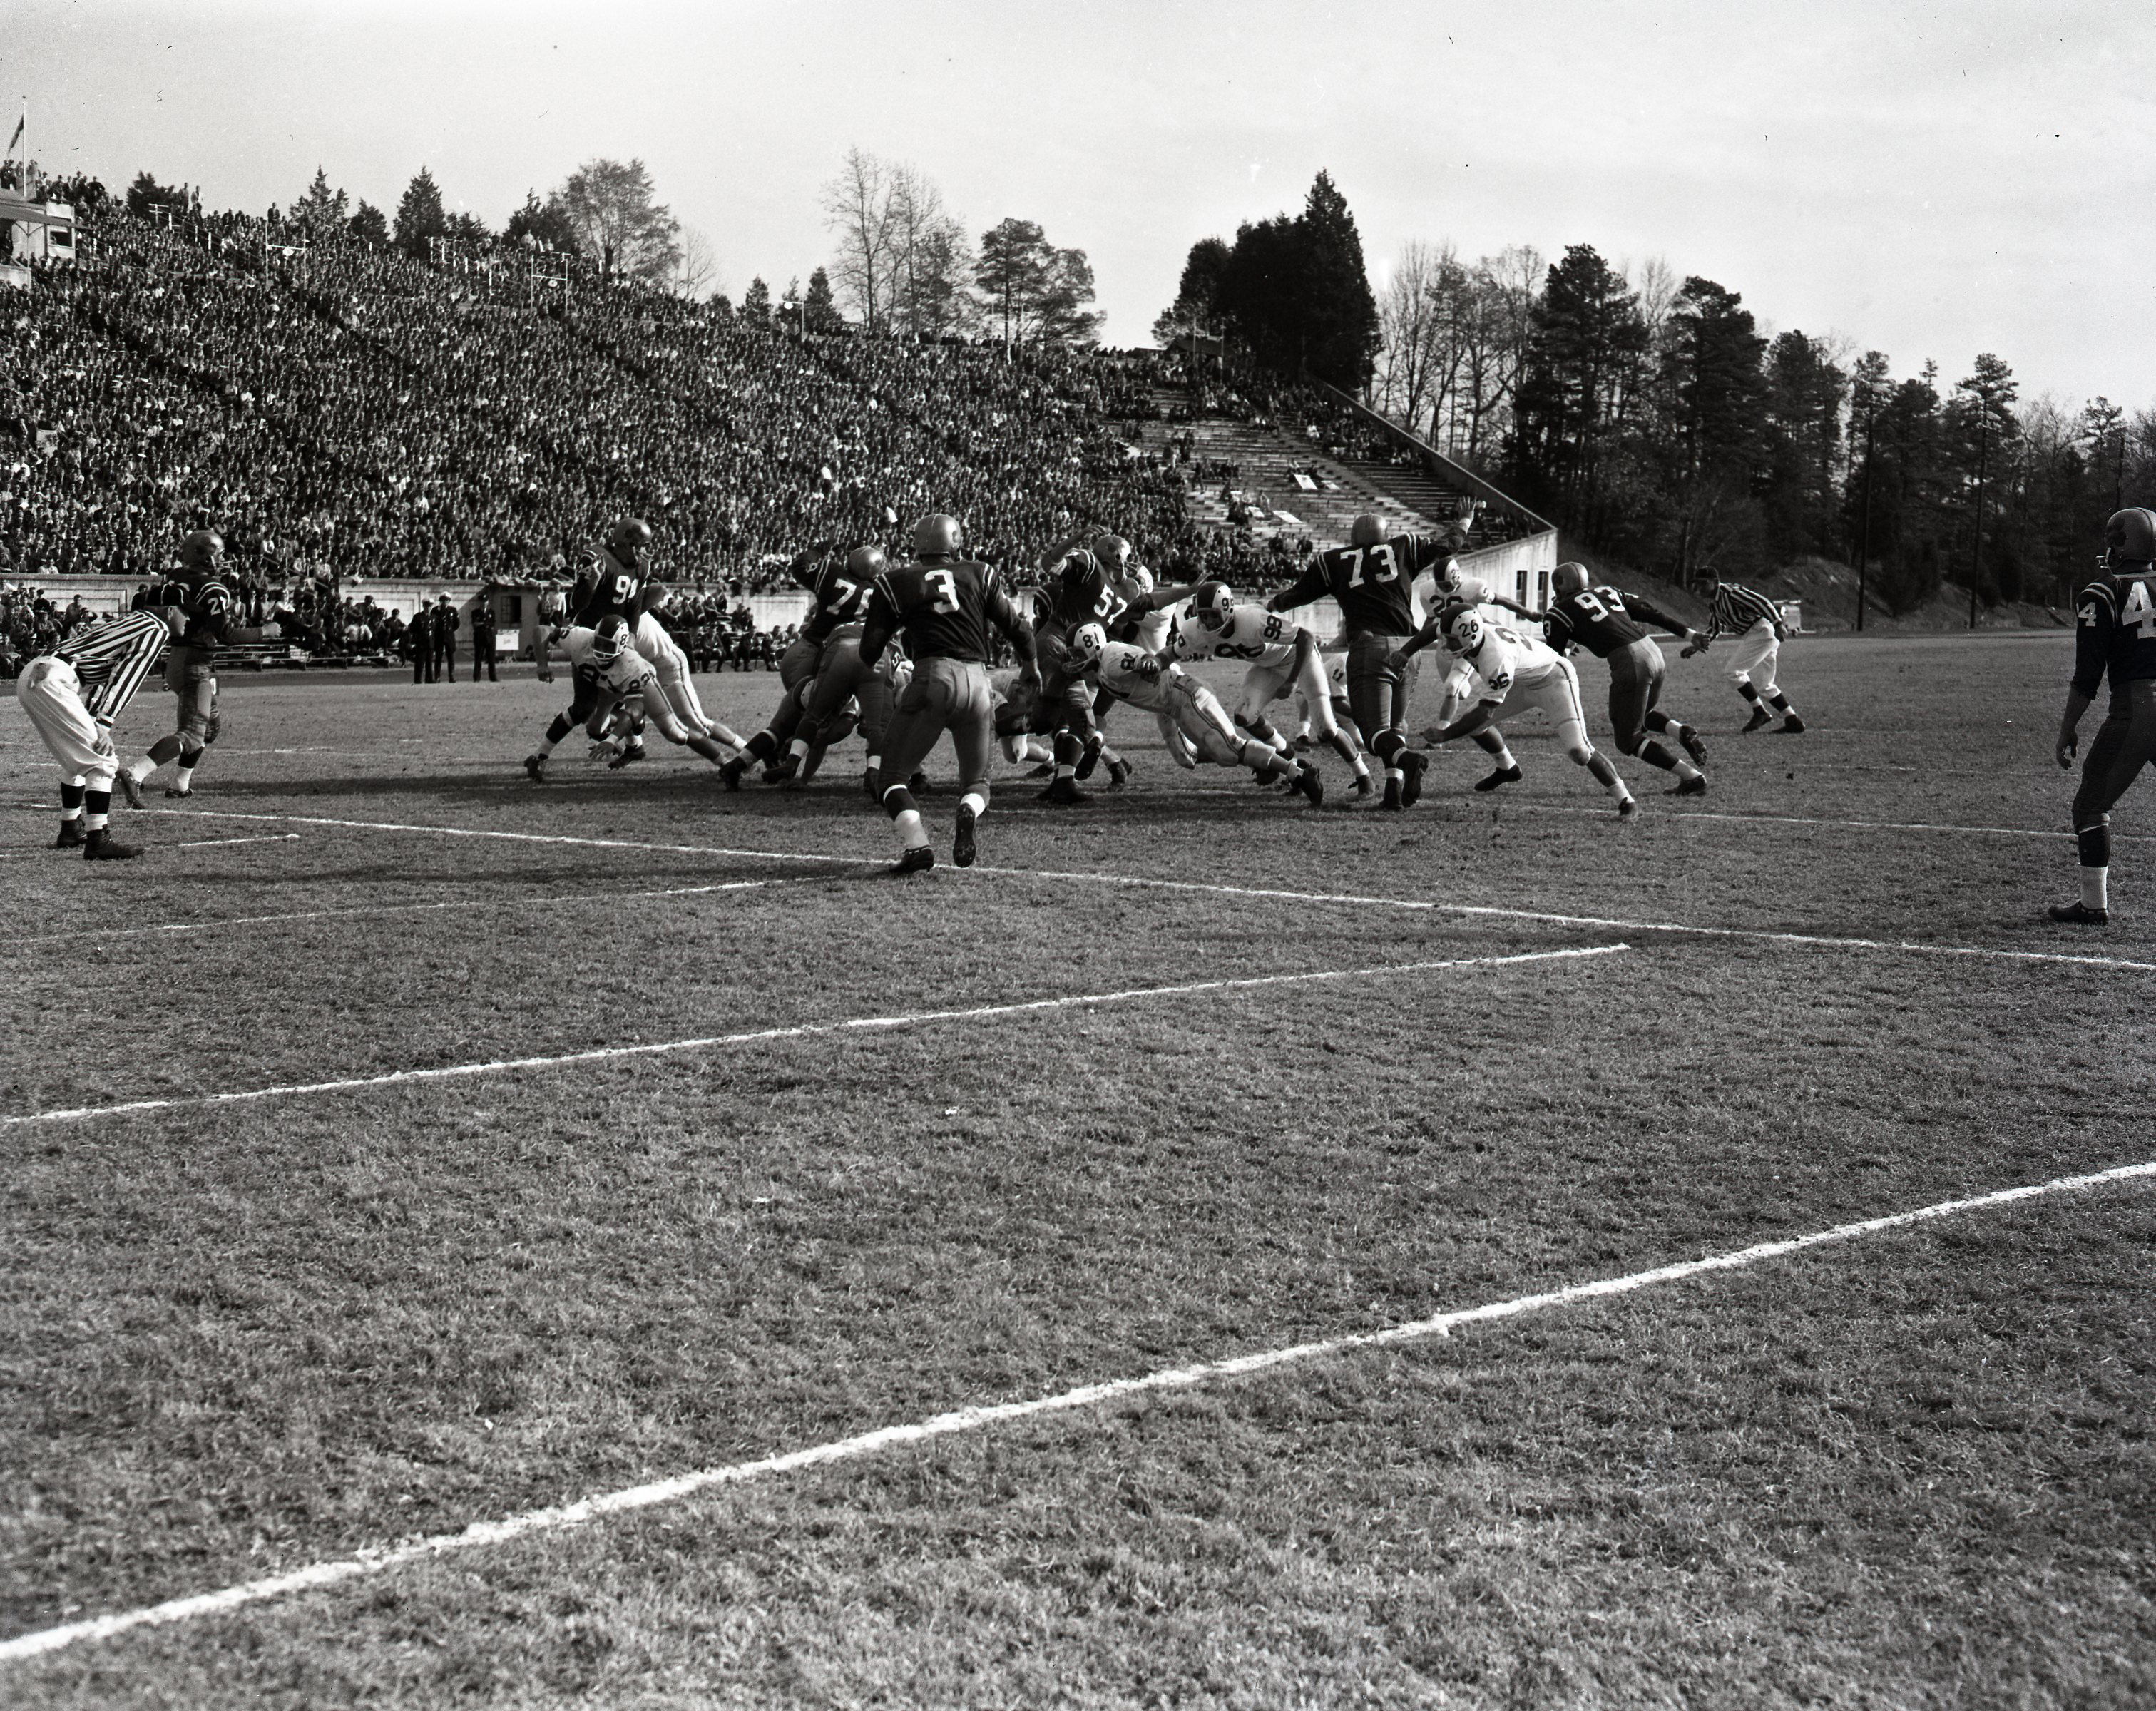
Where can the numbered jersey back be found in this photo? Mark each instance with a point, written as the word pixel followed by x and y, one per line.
pixel 942 610
pixel 840 600
pixel 616 591
pixel 2119 611
pixel 1595 618
pixel 1375 585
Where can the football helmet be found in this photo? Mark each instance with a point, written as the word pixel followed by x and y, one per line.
pixel 1088 642
pixel 937 535
pixel 629 538
pixel 1569 578
pixel 609 639
pixel 1463 631
pixel 200 551
pixel 864 563
pixel 1139 577
pixel 2129 537
pixel 1366 530
pixel 1113 551
pixel 1212 601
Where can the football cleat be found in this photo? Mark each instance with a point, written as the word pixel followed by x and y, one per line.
pixel 1627 808
pixel 1690 787
pixel 130 788
pixel 961 844
pixel 1365 789
pixel 731 771
pixel 1119 774
pixel 1791 727
pixel 634 752
pixel 918 783
pixel 1045 770
pixel 1760 720
pixel 103 846
pixel 1503 775
pixel 70 837
pixel 1692 746
pixel 178 793
pixel 1391 804
pixel 535 768
pixel 1089 759
pixel 915 861
pixel 1413 763
pixel 1313 785
pixel 2079 915
pixel 1067 791
pixel 784 768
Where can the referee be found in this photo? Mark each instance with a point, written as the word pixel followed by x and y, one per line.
pixel 1756 622
pixel 71 697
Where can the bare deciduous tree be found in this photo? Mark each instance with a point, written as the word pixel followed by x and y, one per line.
pixel 696 270
pixel 858 205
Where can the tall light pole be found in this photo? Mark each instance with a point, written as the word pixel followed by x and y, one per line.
pixel 1976 543
pixel 1864 529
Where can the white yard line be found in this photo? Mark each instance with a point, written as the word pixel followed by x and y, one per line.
pixel 212 842
pixel 577 898
pixel 1345 899
pixel 806 1030
pixel 481 1534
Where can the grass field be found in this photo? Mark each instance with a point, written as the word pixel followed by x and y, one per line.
pixel 1195 1073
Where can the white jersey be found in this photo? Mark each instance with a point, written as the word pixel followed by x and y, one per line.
pixel 630 674
pixel 1250 634
pixel 1508 660
pixel 1156 630
pixel 1131 674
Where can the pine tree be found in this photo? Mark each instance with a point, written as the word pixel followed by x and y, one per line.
pixel 820 309
pixel 419 214
pixel 756 301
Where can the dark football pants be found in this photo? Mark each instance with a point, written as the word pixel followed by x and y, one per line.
pixel 840 678
pixel 2125 742
pixel 945 695
pixel 1377 690
pixel 1636 672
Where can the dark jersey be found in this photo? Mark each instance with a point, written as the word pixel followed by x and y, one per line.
pixel 943 611
pixel 1374 585
pixel 838 599
pixel 209 609
pixel 617 590
pixel 1085 592
pixel 2116 631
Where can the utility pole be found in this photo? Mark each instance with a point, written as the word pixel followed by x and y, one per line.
pixel 1976 543
pixel 1864 530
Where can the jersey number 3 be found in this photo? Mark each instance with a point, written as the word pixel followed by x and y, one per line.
pixel 945 587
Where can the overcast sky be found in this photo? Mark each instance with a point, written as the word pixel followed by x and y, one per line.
pixel 1929 180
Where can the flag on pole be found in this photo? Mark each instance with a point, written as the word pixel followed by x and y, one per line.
pixel 17 137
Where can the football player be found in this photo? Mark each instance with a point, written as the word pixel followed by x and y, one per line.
pixel 1373 579
pixel 624 680
pixel 1452 590
pixel 1513 672
pixel 204 626
pixel 824 661
pixel 1184 707
pixel 71 697
pixel 1605 623
pixel 1756 622
pixel 1282 658
pixel 2114 637
pixel 942 605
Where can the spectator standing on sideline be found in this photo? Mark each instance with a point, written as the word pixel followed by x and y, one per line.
pixel 445 638
pixel 419 646
pixel 482 632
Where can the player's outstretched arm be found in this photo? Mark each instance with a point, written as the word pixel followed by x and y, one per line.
pixel 1467 725
pixel 1649 613
pixel 1305 588
pixel 1414 644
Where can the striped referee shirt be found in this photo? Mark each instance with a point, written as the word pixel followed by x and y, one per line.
pixel 1736 609
pixel 111 659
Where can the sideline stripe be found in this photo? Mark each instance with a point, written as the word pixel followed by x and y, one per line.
pixel 481 1533
pixel 802 1031
pixel 1798 819
pixel 212 842
pixel 576 897
pixel 1348 899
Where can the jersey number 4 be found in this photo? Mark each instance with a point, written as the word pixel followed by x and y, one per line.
pixel 2139 614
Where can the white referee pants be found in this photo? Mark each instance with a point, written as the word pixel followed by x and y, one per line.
pixel 51 697
pixel 1755 654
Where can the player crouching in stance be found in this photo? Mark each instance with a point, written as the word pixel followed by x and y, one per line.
pixel 1605 623
pixel 1283 658
pixel 1184 707
pixel 943 604
pixel 1513 672
pixel 71 697
pixel 2115 636
pixel 611 674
